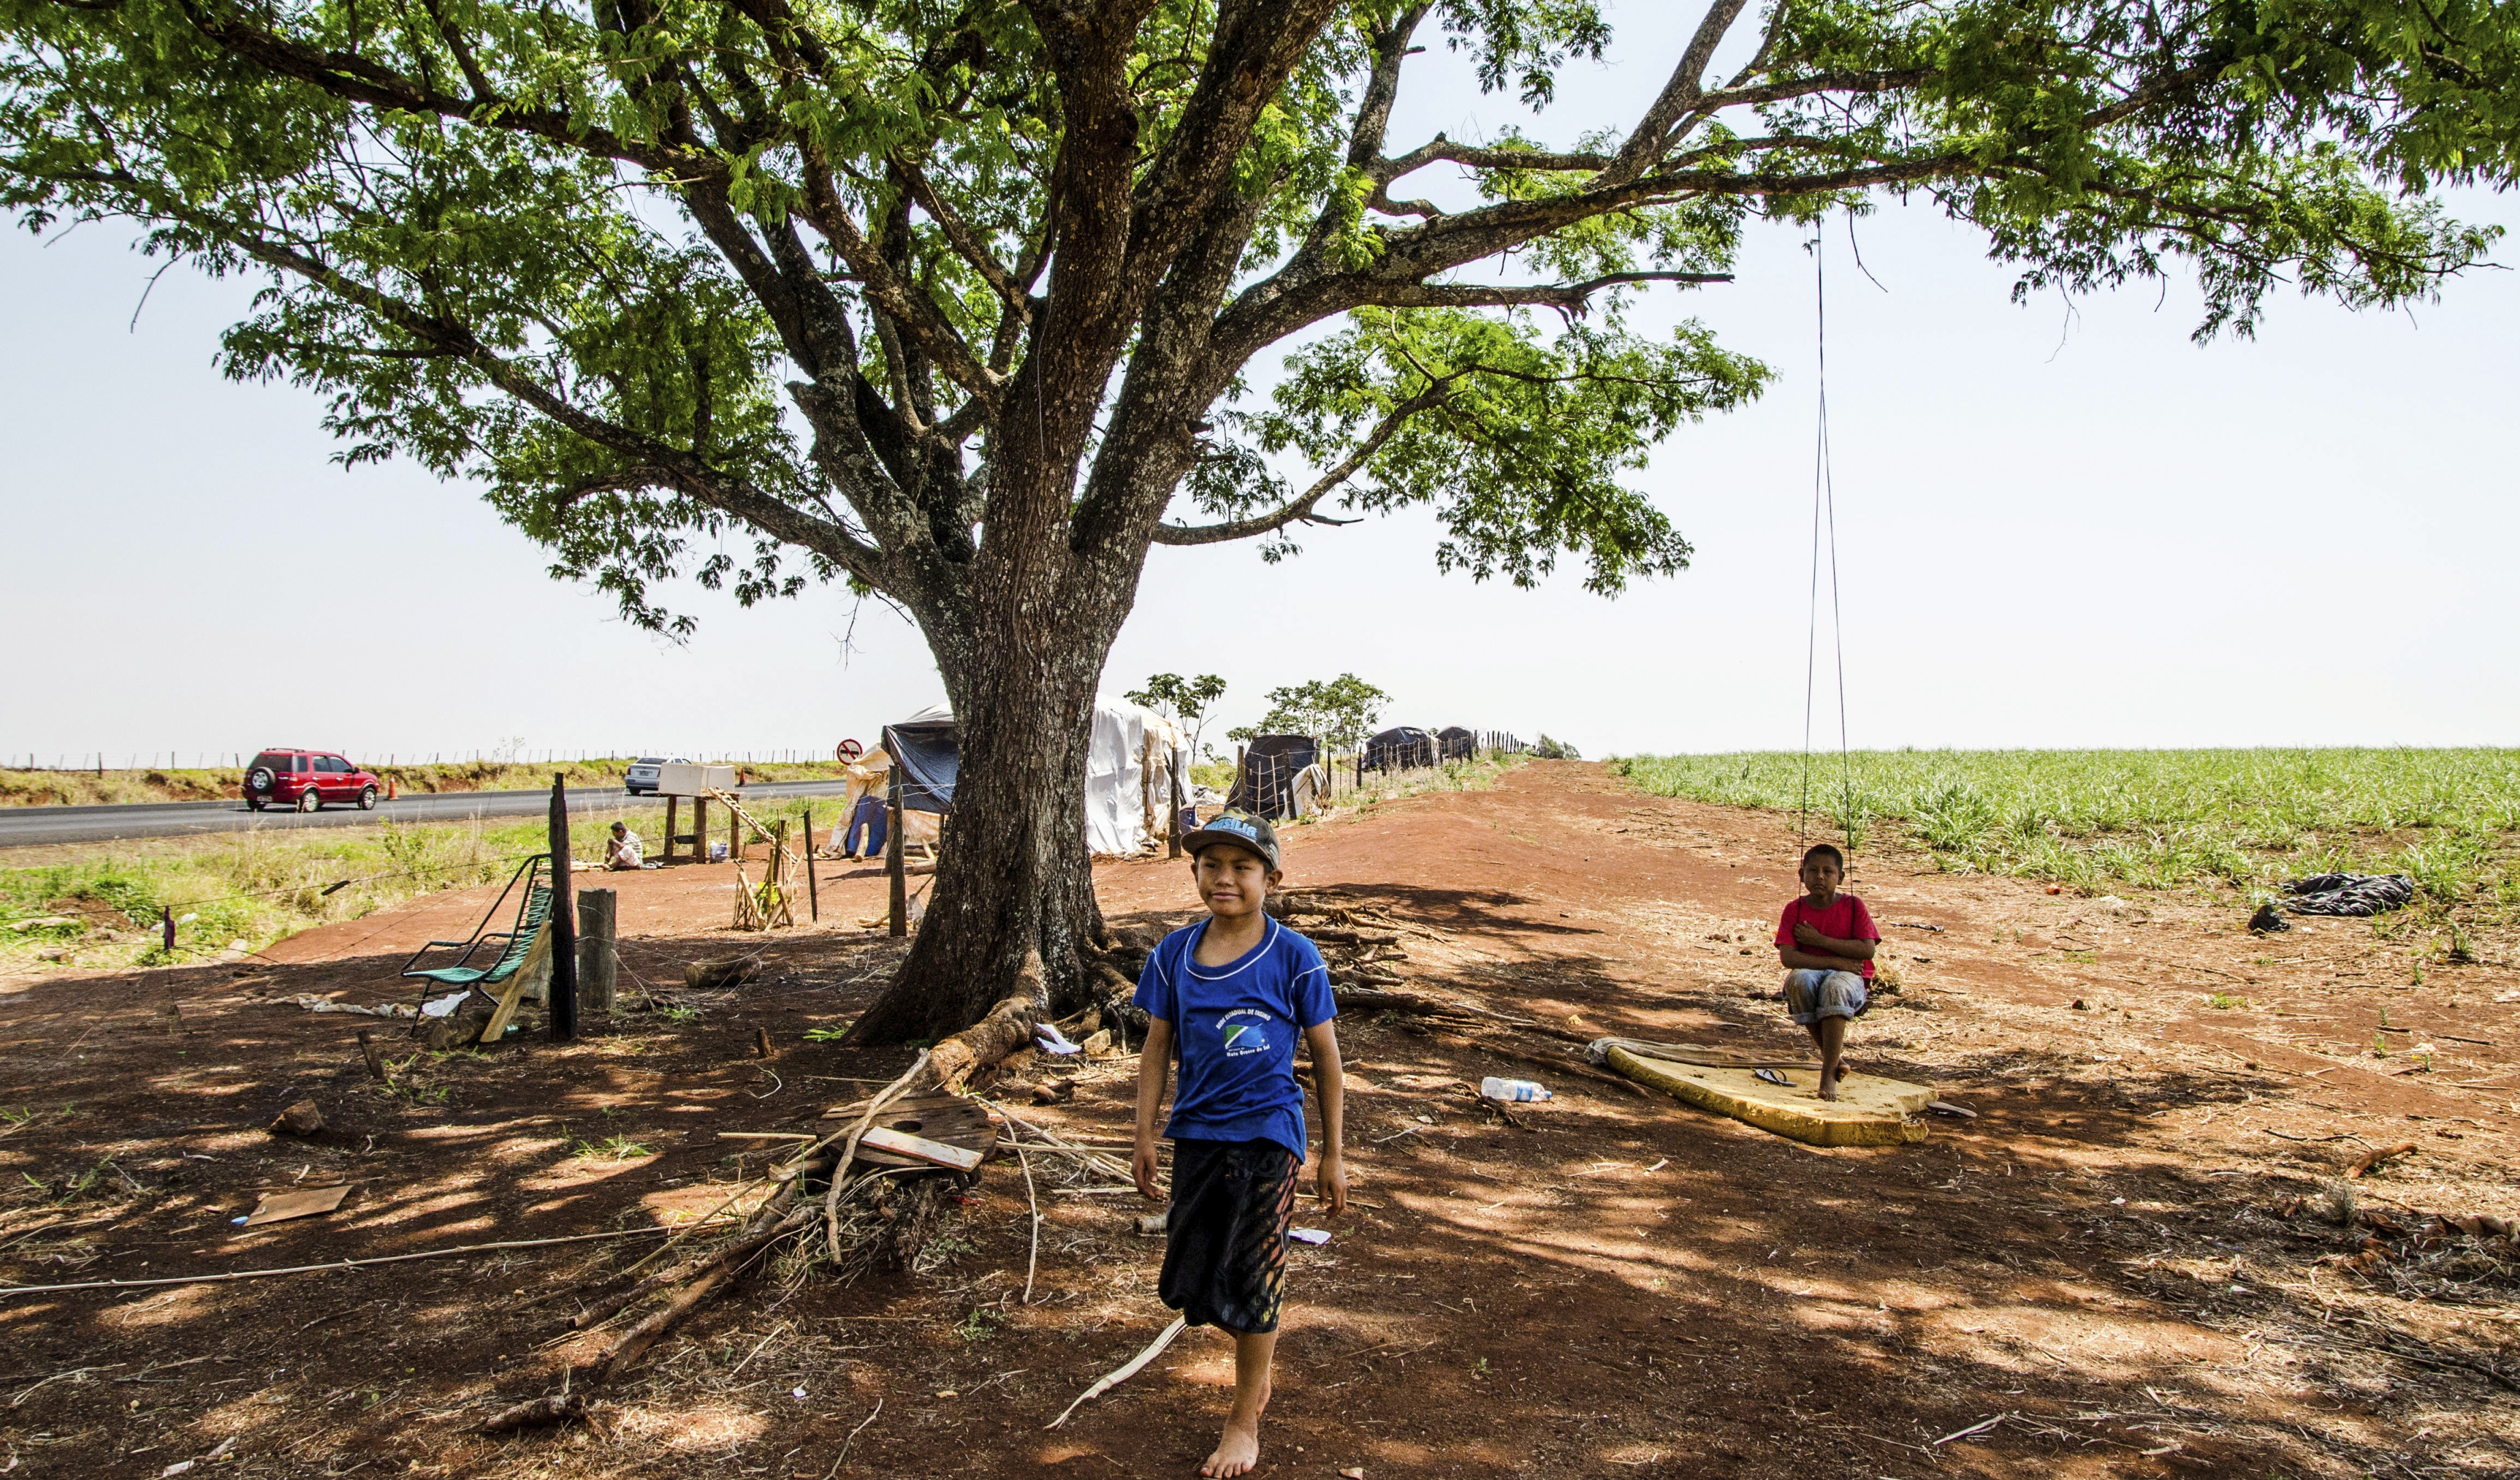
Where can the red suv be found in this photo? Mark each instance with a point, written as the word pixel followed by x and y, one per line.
pixel 306 780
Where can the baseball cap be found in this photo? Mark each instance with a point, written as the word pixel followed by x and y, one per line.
pixel 1239 829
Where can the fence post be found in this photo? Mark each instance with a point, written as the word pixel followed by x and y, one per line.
pixel 597 970
pixel 813 889
pixel 900 922
pixel 563 922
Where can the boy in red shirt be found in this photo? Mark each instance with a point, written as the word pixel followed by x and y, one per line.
pixel 1826 942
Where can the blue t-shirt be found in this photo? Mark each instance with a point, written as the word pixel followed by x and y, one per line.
pixel 1236 1025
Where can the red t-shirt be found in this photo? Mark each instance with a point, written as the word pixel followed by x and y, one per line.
pixel 1845 919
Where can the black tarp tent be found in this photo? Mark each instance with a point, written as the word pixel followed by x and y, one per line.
pixel 1265 786
pixel 927 756
pixel 1400 749
pixel 1456 743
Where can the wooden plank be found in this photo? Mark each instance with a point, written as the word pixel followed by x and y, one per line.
pixel 1869 1111
pixel 921 1148
pixel 536 971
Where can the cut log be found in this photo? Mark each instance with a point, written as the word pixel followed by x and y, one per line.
pixel 712 976
pixel 951 1064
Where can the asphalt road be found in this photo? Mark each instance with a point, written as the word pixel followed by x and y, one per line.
pixel 25 826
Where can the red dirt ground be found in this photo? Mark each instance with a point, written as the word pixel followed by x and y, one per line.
pixel 2106 1264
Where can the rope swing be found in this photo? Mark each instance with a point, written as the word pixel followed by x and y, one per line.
pixel 1823 519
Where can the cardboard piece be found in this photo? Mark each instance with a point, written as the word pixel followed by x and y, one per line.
pixel 1869 1111
pixel 296 1202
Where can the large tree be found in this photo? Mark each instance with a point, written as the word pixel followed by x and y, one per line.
pixel 956 300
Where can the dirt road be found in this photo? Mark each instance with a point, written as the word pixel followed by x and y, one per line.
pixel 2107 1273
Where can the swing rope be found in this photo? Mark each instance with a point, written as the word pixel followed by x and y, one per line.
pixel 1824 522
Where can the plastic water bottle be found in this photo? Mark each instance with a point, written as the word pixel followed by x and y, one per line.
pixel 1510 1090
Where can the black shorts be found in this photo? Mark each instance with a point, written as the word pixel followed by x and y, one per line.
pixel 1225 1236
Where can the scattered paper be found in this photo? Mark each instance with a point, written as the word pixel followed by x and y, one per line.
pixel 444 1006
pixel 1053 1042
pixel 1308 1235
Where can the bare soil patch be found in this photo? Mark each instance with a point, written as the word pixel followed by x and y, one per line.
pixel 2111 1263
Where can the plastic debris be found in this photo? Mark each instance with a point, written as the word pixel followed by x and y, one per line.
pixel 1511 1092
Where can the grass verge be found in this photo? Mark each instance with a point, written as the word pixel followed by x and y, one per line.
pixel 106 788
pixel 234 892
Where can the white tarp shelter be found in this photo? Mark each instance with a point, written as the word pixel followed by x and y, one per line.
pixel 1131 758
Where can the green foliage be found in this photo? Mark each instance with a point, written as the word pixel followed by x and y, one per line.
pixel 746 293
pixel 1187 700
pixel 1547 748
pixel 1517 436
pixel 2157 819
pixel 1340 712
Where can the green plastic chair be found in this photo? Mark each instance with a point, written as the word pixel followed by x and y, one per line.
pixel 515 942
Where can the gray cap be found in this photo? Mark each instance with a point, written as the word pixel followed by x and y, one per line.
pixel 1239 829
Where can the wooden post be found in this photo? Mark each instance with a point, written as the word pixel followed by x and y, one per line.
pixel 1173 825
pixel 673 806
pixel 813 887
pixel 700 829
pixel 596 968
pixel 900 924
pixel 734 836
pixel 564 921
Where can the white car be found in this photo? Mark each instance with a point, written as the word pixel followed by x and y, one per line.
pixel 641 781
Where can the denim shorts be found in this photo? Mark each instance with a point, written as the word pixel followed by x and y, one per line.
pixel 1811 995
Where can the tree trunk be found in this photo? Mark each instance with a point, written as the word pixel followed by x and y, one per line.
pixel 1013 876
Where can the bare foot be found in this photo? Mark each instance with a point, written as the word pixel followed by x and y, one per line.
pixel 1827 1089
pixel 1843 1071
pixel 1235 1454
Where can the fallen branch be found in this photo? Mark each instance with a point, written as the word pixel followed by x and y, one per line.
pixel 1153 1349
pixel 318 1268
pixel 733 1249
pixel 2373 1157
pixel 718 1269
pixel 558 1407
pixel 848 1153
pixel 1032 1259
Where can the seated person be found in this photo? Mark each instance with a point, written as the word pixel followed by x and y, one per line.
pixel 623 849
pixel 1826 942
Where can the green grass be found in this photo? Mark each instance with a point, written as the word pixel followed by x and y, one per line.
pixel 260 887
pixel 2155 819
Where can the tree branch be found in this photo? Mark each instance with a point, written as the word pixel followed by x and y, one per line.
pixel 968 246
pixel 1679 94
pixel 1299 509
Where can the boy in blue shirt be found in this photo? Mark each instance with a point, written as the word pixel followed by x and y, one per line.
pixel 1233 991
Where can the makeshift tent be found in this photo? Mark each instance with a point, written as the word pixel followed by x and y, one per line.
pixel 1130 761
pixel 1401 748
pixel 1456 743
pixel 929 756
pixel 1273 782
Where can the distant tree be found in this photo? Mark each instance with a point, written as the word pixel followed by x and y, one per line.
pixel 1555 750
pixel 963 303
pixel 1187 701
pixel 1340 712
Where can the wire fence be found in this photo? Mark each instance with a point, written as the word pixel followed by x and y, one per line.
pixel 100 763
pixel 1279 787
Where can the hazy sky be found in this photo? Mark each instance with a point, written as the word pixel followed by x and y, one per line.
pixel 2055 529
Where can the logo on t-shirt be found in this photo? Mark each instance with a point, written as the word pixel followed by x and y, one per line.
pixel 1249 1036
